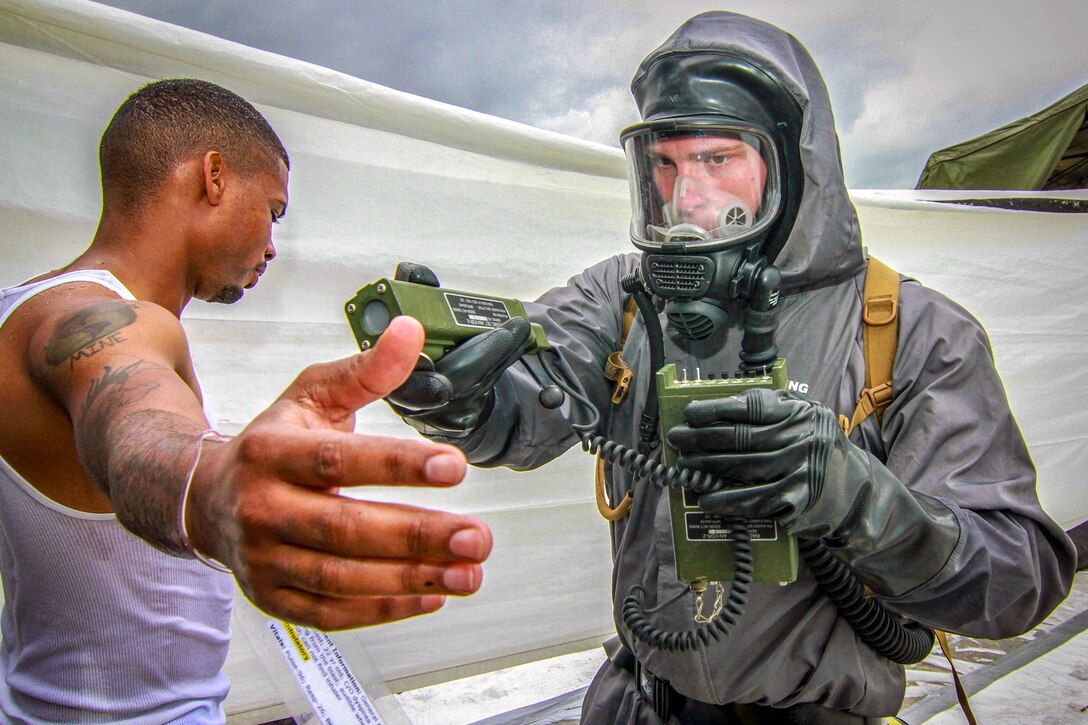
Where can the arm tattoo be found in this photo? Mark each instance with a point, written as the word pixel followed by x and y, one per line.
pixel 136 458
pixel 90 330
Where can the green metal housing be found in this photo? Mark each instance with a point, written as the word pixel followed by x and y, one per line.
pixel 702 541
pixel 448 316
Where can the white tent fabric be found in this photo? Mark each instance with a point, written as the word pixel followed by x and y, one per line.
pixel 379 176
pixel 1021 274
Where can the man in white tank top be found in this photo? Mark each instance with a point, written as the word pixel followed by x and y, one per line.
pixel 118 504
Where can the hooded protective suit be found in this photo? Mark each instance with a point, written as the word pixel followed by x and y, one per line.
pixel 949 434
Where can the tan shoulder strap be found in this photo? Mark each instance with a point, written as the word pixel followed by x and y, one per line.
pixel 606 511
pixel 961 692
pixel 880 314
pixel 616 370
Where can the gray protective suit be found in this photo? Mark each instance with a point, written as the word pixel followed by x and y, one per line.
pixel 949 434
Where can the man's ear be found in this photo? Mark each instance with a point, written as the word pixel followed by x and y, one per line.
pixel 213 177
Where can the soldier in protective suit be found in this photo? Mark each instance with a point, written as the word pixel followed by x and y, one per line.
pixel 735 173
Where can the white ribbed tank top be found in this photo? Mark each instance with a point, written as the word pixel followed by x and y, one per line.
pixel 97 625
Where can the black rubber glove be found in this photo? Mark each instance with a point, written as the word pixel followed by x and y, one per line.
pixel 786 457
pixel 458 395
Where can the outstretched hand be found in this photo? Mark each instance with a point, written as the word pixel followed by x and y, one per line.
pixel 267 503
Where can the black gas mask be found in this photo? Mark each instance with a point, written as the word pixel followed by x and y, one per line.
pixel 716 181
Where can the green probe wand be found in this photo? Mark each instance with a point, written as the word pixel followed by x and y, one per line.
pixel 448 316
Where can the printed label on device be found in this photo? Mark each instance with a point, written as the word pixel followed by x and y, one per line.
pixel 477 311
pixel 333 692
pixel 702 526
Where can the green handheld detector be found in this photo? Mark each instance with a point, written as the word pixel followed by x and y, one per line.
pixel 702 541
pixel 448 316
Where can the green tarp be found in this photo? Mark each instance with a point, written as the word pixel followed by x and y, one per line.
pixel 1047 150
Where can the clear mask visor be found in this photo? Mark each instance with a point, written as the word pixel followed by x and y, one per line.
pixel 706 187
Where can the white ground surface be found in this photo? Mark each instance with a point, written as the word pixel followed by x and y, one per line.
pixel 475 698
pixel 1051 689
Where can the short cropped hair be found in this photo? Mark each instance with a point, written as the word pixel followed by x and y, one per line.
pixel 166 122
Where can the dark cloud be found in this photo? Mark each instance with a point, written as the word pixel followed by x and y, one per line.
pixel 905 78
pixel 516 60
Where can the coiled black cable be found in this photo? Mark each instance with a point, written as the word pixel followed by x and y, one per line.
pixel 636 616
pixel 647 428
pixel 902 643
pixel 634 612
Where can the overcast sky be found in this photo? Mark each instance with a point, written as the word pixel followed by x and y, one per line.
pixel 906 78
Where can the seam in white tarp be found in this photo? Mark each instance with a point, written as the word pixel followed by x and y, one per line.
pixel 136 44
